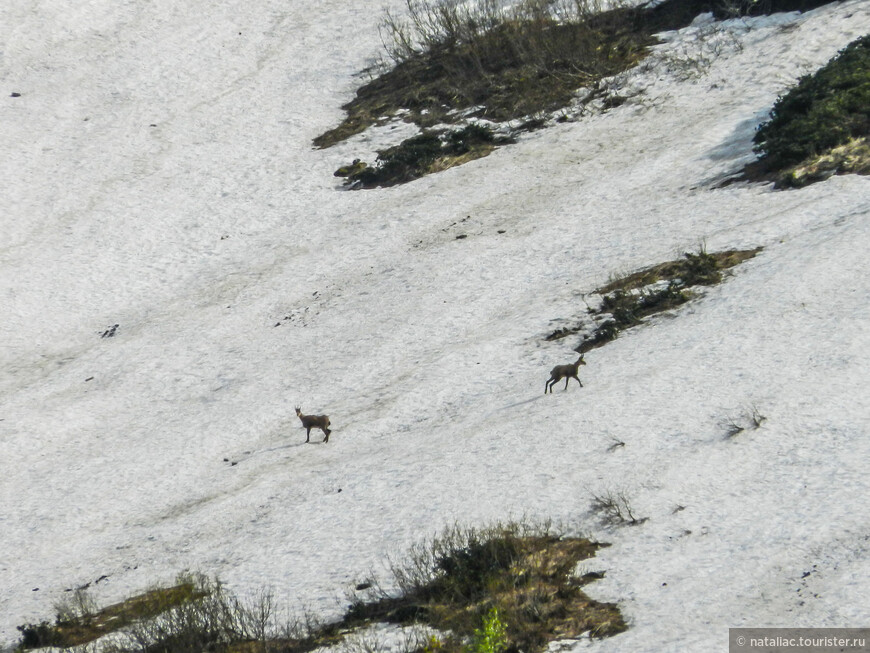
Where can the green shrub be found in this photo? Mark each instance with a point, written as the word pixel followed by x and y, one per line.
pixel 422 154
pixel 701 269
pixel 462 571
pixel 491 637
pixel 463 140
pixel 604 333
pixel 627 308
pixel 404 162
pixel 824 110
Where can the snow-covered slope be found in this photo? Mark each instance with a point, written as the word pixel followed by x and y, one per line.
pixel 159 176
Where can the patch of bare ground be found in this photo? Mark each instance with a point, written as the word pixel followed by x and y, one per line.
pixel 626 301
pixel 452 583
pixel 449 58
pixel 81 623
pixel 460 63
pixel 522 573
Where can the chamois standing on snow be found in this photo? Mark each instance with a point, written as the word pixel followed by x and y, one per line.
pixel 566 372
pixel 314 422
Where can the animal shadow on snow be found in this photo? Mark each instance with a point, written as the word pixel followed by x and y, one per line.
pixel 246 455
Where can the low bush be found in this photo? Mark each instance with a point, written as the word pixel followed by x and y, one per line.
pixel 422 154
pixel 701 269
pixel 825 109
pixel 401 163
pixel 38 635
pixel 491 637
pixel 615 508
pixel 628 308
pixel 751 418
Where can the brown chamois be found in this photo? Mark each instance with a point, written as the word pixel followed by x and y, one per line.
pixel 314 422
pixel 566 372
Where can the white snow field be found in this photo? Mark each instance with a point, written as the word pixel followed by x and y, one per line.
pixel 158 174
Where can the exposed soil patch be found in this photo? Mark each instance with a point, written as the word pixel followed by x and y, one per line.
pixel 523 574
pixel 455 63
pixel 520 65
pixel 626 301
pixel 75 630
pixel 528 578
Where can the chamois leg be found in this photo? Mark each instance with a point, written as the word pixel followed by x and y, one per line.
pixel 308 434
pixel 578 380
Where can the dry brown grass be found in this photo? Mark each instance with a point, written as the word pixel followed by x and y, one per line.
pixel 78 629
pixel 702 268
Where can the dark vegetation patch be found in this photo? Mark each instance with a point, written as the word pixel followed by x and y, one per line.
pixel 453 60
pixel 626 301
pixel 821 126
pixel 677 14
pixel 503 588
pixel 526 575
pixel 701 269
pixel 196 615
pixel 79 623
pixel 428 152
pixel 501 64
